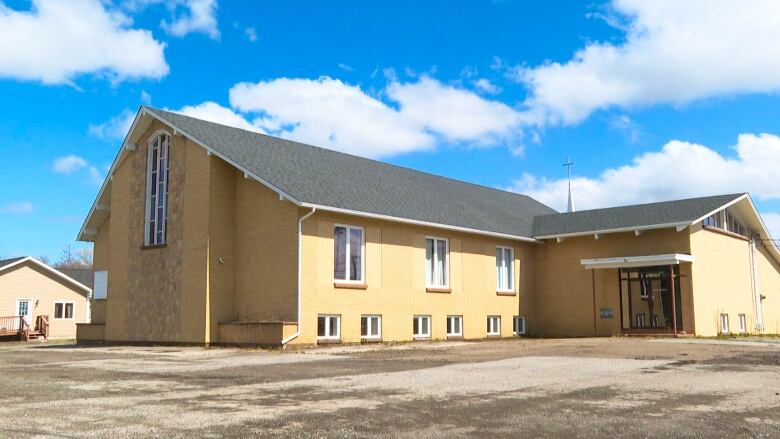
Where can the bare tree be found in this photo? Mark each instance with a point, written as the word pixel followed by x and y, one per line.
pixel 81 258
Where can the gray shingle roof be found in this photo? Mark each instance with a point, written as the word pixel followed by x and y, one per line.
pixel 84 276
pixel 5 262
pixel 329 178
pixel 639 215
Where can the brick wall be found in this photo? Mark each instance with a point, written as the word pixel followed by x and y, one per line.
pixel 87 332
pixel 255 333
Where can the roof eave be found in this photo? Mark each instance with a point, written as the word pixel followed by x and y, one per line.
pixel 420 223
pixel 51 270
pixel 677 225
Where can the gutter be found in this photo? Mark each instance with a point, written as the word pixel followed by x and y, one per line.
pixel 300 305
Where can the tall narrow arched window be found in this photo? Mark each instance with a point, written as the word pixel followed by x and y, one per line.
pixel 157 189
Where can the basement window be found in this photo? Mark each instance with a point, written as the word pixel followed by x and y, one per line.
pixel 157 190
pixel 454 326
pixel 421 326
pixel 518 325
pixel 348 249
pixel 371 327
pixel 494 325
pixel 328 327
pixel 724 324
pixel 742 324
pixel 63 310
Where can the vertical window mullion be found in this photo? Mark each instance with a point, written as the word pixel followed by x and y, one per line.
pixel 347 263
pixel 436 262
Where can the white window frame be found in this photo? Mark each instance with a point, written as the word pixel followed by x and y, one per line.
pixel 510 267
pixel 494 325
pixel 328 318
pixel 29 307
pixel 64 303
pixel 100 284
pixel 742 319
pixel 517 327
pixel 151 239
pixel 433 276
pixel 419 319
pixel 347 267
pixel 377 336
pixel 450 324
pixel 724 324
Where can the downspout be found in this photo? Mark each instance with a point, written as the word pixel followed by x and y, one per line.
pixel 756 292
pixel 300 305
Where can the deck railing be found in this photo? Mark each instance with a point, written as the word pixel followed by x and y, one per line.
pixel 14 325
pixel 42 326
pixel 19 326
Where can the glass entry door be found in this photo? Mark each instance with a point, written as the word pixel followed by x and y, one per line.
pixel 647 299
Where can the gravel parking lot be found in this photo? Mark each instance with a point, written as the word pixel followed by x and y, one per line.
pixel 539 388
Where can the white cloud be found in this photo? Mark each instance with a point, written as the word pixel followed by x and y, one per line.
pixel 115 128
pixel 772 221
pixel 69 164
pixel 200 16
pixel 72 164
pixel 213 112
pixel 625 125
pixel 486 86
pixel 94 175
pixel 251 34
pixel 57 40
pixel 336 115
pixel 21 208
pixel 458 115
pixel 679 170
pixel 346 67
pixel 145 97
pixel 674 52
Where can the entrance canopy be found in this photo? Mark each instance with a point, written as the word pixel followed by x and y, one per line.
pixel 636 261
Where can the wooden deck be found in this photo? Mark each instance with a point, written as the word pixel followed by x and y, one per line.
pixel 18 327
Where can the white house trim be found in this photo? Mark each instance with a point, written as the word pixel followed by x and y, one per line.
pixel 420 223
pixel 727 205
pixel 636 261
pixel 50 270
pixel 636 229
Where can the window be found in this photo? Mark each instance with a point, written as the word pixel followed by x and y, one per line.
pixel 518 325
pixel 23 307
pixel 328 327
pixel 724 323
pixel 724 220
pixel 371 327
pixel 640 320
pixel 505 257
pixel 742 324
pixel 100 288
pixel 348 254
pixel 454 326
pixel 436 262
pixel 421 326
pixel 63 310
pixel 157 190
pixel 713 220
pixel 494 325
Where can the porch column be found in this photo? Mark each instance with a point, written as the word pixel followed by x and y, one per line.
pixel 674 299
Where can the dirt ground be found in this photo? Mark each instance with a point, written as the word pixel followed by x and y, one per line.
pixel 618 387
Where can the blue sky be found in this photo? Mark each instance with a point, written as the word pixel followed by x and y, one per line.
pixel 652 100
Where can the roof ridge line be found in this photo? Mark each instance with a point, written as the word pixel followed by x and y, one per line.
pixel 333 151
